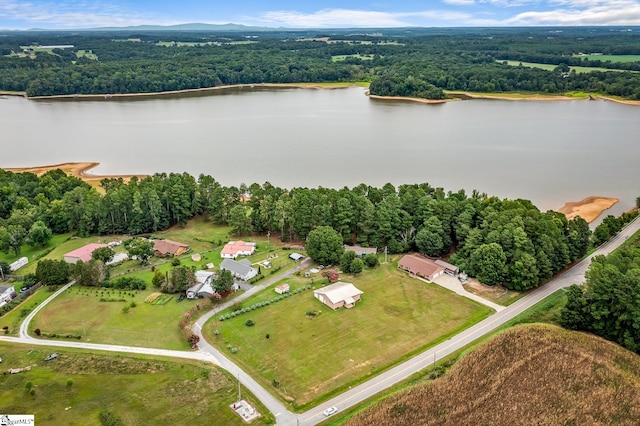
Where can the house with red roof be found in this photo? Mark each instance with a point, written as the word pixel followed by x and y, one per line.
pixel 421 266
pixel 233 249
pixel 163 248
pixel 83 253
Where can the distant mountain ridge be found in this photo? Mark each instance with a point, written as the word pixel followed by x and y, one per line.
pixel 195 26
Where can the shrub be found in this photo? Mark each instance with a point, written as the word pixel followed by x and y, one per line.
pixel 371 260
pixel 250 323
pixel 234 350
pixel 175 262
pixel 133 304
pixel 125 309
pixel 37 332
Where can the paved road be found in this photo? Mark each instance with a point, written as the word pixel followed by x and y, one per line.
pixel 356 395
pixel 574 275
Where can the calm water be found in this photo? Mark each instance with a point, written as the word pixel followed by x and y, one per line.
pixel 549 152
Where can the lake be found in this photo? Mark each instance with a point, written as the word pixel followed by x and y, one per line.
pixel 547 151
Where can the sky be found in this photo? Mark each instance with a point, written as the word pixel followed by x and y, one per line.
pixel 70 14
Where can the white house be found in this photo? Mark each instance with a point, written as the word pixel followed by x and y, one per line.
pixel 338 295
pixel 19 263
pixel 241 270
pixel 233 249
pixel 6 293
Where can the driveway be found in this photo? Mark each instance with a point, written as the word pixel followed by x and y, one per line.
pixel 454 284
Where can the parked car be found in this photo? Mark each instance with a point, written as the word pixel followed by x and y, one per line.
pixel 52 356
pixel 329 411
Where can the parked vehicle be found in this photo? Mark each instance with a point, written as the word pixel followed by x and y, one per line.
pixel 52 356
pixel 329 411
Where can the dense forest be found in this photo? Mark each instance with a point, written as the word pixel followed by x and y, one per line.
pixel 415 62
pixel 500 241
pixel 608 304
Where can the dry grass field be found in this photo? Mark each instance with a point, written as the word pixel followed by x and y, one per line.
pixel 528 375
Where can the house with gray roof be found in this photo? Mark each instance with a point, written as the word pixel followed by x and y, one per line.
pixel 241 270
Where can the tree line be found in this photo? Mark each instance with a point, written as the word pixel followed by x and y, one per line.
pixel 608 303
pixel 500 241
pixel 416 65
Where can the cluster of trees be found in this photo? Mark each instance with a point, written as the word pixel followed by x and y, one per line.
pixel 611 225
pixel 607 304
pixel 499 241
pixel 420 64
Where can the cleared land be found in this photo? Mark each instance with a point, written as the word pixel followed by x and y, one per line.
pixel 79 310
pixel 310 356
pixel 337 58
pixel 535 374
pixel 551 67
pixel 74 388
pixel 611 58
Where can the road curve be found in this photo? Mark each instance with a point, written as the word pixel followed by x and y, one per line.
pixel 357 394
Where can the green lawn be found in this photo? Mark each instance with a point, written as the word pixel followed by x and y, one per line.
pixel 74 388
pixel 87 54
pixel 611 58
pixel 34 253
pixel 313 358
pixel 154 326
pixel 13 318
pixel 550 67
pixel 337 58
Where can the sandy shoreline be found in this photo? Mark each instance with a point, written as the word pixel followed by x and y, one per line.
pixel 76 169
pixel 455 96
pixel 589 209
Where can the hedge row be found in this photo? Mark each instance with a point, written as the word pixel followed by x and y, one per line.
pixel 262 304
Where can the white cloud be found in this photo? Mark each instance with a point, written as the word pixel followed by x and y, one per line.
pixel 583 12
pixel 332 18
pixel 341 18
pixel 71 14
pixel 459 2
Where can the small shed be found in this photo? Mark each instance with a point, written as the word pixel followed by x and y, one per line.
pixel 296 256
pixel 282 288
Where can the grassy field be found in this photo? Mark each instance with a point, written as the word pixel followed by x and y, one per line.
pixel 34 253
pixel 312 358
pixel 56 249
pixel 74 388
pixel 79 310
pixel 13 318
pixel 533 374
pixel 550 67
pixel 87 54
pixel 337 58
pixel 611 58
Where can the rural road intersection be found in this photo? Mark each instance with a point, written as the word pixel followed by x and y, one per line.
pixel 357 394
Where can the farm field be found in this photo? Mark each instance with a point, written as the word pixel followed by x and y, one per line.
pixel 544 373
pixel 145 324
pixel 611 58
pixel 77 386
pixel 337 58
pixel 550 67
pixel 308 357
